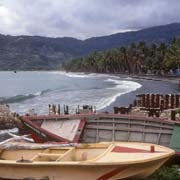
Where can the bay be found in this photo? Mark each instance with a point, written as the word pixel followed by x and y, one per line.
pixel 35 90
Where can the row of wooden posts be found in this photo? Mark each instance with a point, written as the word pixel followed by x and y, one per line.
pixel 167 101
pixel 56 109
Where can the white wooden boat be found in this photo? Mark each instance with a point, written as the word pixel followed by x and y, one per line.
pixel 101 161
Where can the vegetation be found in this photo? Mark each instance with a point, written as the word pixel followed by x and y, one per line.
pixel 172 57
pixel 166 173
pixel 135 59
pixel 45 53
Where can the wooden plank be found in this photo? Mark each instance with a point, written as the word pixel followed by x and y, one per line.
pixel 126 122
pixel 158 139
pixel 128 129
pixel 128 135
pixel 143 136
pixel 133 117
pixel 113 130
pixel 65 129
pixel 149 119
pixel 97 132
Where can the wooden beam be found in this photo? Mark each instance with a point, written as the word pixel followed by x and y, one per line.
pixel 127 122
pixel 129 129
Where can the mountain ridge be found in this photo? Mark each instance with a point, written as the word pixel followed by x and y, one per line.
pixel 46 53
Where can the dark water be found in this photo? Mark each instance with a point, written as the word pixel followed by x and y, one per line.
pixel 148 86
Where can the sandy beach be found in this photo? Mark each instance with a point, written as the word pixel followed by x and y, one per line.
pixel 150 84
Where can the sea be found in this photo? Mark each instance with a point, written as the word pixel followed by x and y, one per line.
pixel 35 90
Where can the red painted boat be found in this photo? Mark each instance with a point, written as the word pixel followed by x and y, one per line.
pixel 52 129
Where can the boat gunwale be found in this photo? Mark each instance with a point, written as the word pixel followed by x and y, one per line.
pixel 103 115
pixel 92 162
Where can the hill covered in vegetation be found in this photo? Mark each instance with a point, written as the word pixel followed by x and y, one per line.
pixel 137 58
pixel 36 53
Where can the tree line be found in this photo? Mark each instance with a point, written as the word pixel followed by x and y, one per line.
pixel 137 58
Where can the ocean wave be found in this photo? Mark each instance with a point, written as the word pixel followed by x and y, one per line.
pixel 122 87
pixel 19 98
pixel 125 85
pixel 83 75
pixel 71 74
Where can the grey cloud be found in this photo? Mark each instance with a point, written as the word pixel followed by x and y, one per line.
pixel 83 19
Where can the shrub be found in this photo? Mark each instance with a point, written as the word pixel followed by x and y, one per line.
pixel 166 173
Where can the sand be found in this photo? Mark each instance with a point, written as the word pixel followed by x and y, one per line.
pixel 149 85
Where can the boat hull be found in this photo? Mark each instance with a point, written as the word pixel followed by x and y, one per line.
pixel 88 172
pixel 102 127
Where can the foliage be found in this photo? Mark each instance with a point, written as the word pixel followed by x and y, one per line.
pixel 178 110
pixel 135 59
pixel 166 173
pixel 172 57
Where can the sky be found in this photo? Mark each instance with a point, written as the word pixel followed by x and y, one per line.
pixel 84 18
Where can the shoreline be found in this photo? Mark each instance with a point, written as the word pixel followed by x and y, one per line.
pixel 150 84
pixel 159 85
pixel 172 79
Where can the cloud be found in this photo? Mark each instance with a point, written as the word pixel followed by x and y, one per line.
pixel 83 19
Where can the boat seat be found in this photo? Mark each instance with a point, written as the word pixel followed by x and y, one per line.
pixel 46 157
pixel 66 156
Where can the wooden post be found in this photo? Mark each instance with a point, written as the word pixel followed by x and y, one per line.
pixel 152 148
pixel 148 100
pixel 173 115
pixel 59 109
pixel 143 100
pixel 49 108
pixel 177 101
pixel 135 103
pixel 162 104
pixel 115 110
pixel 167 101
pixel 153 104
pixel 158 100
pixel 172 101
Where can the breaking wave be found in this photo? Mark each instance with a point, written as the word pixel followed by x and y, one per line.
pixel 19 98
pixel 122 87
pixel 75 75
pixel 83 75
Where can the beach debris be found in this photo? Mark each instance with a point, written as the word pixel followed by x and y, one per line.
pixel 54 109
pixel 122 110
pixel 4 134
pixel 85 109
pixel 18 142
pixel 4 109
pixel 158 105
pixel 24 137
pixel 162 101
pixel 6 143
pixel 66 109
pixel 8 119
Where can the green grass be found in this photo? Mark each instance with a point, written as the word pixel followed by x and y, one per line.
pixel 166 173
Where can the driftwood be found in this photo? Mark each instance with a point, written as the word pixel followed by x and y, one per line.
pixel 24 137
pixel 14 138
pixel 36 146
pixel 22 142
